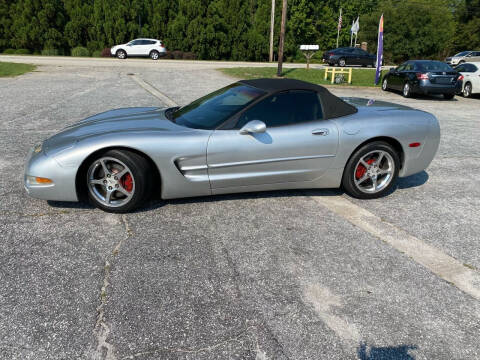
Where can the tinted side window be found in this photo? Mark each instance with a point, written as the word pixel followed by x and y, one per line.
pixel 150 42
pixel 461 68
pixel 470 68
pixel 284 109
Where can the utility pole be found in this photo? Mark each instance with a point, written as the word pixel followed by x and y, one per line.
pixel 272 28
pixel 282 38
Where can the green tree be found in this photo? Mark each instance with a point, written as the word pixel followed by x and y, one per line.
pixel 467 35
pixel 412 29
pixel 37 24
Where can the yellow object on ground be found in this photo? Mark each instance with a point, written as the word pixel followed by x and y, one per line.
pixel 334 70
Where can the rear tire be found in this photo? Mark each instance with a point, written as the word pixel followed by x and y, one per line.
pixel 375 179
pixel 342 62
pixel 118 181
pixel 385 85
pixel 467 90
pixel 154 55
pixel 448 96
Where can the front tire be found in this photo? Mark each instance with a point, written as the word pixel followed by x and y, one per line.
pixel 371 171
pixel 118 181
pixel 121 54
pixel 154 55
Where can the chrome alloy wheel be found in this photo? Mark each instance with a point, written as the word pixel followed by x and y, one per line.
pixel 374 171
pixel 385 85
pixel 111 182
pixel 467 90
pixel 406 90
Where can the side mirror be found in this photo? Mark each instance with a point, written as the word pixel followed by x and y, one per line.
pixel 252 127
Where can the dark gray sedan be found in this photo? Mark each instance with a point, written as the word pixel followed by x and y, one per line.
pixel 422 77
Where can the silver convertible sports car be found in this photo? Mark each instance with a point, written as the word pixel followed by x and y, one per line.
pixel 252 135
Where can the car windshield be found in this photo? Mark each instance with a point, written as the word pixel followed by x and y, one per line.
pixel 433 66
pixel 213 109
pixel 463 53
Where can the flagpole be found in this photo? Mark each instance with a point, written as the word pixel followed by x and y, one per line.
pixel 338 27
pixel 351 33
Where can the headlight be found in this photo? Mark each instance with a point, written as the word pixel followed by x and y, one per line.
pixel 37 148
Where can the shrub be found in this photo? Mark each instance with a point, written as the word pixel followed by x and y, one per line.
pixel 50 52
pixel 9 51
pixel 22 51
pixel 80 51
pixel 168 55
pixel 97 53
pixel 177 54
pixel 106 52
pixel 189 56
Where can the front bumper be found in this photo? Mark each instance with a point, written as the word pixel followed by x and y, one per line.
pixel 62 187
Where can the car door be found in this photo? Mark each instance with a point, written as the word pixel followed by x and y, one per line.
pixel 394 78
pixel 359 57
pixel 469 74
pixel 475 76
pixel 475 56
pixel 349 56
pixel 145 47
pixel 297 146
pixel 133 48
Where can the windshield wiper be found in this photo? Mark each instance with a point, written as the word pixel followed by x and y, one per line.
pixel 170 111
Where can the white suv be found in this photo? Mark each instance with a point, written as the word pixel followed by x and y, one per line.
pixel 462 57
pixel 140 47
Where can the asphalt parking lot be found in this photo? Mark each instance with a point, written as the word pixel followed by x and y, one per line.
pixel 275 275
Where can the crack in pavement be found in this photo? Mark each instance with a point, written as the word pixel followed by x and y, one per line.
pixel 106 350
pixel 208 348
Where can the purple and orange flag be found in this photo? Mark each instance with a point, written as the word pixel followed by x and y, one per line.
pixel 379 51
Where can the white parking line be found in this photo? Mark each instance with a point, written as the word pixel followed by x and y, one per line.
pixel 154 91
pixel 439 263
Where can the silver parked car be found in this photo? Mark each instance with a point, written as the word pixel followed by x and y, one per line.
pixel 152 48
pixel 462 57
pixel 470 78
pixel 252 135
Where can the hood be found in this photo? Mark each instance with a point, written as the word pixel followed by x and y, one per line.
pixel 147 119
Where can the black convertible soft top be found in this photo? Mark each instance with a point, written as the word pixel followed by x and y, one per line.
pixel 333 106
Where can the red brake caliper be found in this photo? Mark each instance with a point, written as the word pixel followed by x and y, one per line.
pixel 361 170
pixel 127 182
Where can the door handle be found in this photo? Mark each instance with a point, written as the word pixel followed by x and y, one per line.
pixel 321 132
